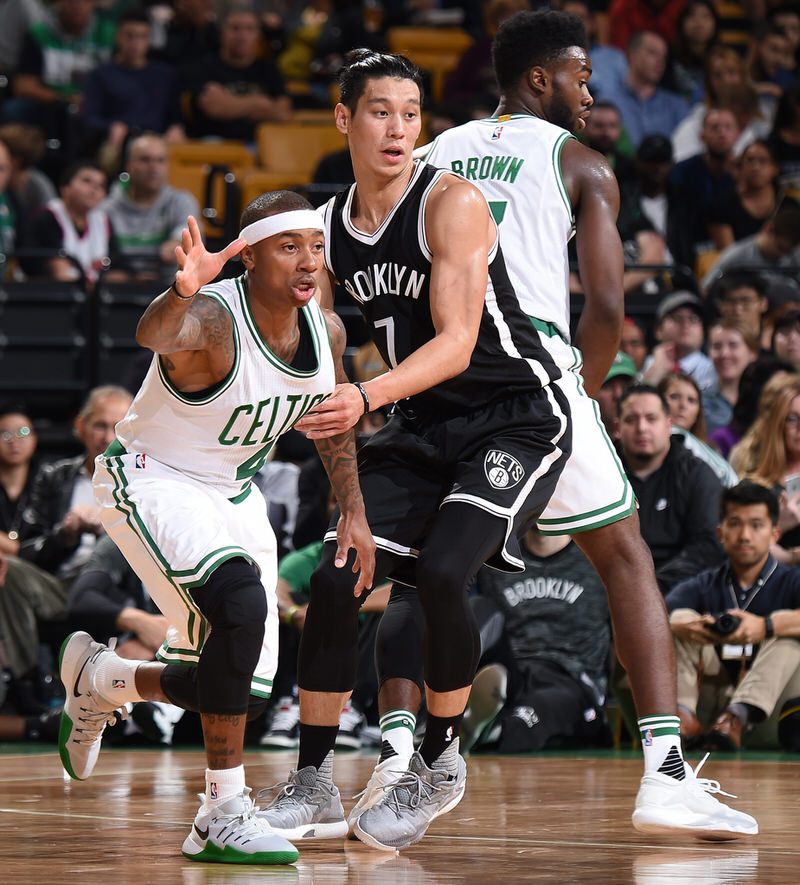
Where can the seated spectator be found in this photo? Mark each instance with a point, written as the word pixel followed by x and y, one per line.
pixel 634 342
pixel 688 421
pixel 646 108
pixel 60 523
pixel 28 595
pixel 56 56
pixel 609 65
pixel 724 74
pixel 762 382
pixel 741 212
pixel 190 33
pixel 232 92
pixel 75 226
pixel 696 33
pixel 750 671
pixel 679 332
pixel 775 246
pixel 545 637
pixel 786 336
pixel 30 186
pixel 620 376
pixel 732 347
pixel 708 176
pixel 604 133
pixel 131 93
pixel 739 297
pixel 677 492
pixel 146 213
pixel 785 136
pixel 302 28
pixel 771 64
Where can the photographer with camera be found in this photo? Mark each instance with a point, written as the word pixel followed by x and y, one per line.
pixel 736 630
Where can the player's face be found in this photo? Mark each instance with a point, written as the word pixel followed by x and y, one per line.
pixel 385 126
pixel 644 429
pixel 746 532
pixel 569 99
pixel 283 268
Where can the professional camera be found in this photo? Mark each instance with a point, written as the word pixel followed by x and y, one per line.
pixel 724 624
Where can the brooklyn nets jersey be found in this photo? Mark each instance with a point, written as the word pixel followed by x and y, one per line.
pixel 515 162
pixel 223 435
pixel 388 273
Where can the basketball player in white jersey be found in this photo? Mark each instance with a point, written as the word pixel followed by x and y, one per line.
pixel 543 186
pixel 236 364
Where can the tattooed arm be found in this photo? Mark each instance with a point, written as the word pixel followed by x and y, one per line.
pixel 338 454
pixel 195 331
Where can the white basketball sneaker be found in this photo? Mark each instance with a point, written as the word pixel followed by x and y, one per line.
pixel 384 776
pixel 86 712
pixel 666 806
pixel 232 833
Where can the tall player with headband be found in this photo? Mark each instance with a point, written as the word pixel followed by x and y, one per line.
pixel 236 364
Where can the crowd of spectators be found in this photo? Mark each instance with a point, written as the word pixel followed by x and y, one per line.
pixel 697 109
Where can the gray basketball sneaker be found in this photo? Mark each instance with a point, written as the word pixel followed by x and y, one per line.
pixel 405 813
pixel 306 807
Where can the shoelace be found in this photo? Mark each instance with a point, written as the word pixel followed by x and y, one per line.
pixel 417 789
pixel 707 785
pixel 95 722
pixel 286 789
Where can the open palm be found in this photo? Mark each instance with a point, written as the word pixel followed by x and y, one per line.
pixel 196 265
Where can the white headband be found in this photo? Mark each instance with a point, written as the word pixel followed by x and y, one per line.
pixel 297 219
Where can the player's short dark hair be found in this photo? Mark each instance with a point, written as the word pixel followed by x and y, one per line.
pixel 531 39
pixel 639 389
pixel 271 204
pixel 361 65
pixel 747 493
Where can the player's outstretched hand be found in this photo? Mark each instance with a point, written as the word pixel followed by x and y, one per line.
pixel 352 531
pixel 338 413
pixel 196 265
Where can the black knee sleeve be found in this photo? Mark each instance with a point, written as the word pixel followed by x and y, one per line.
pixel 452 645
pixel 179 684
pixel 328 658
pixel 234 603
pixel 398 645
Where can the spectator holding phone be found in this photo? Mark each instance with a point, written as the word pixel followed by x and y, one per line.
pixel 736 628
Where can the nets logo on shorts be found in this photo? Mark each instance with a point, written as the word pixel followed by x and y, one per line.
pixel 502 470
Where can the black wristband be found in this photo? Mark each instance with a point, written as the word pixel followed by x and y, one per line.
pixel 360 388
pixel 769 629
pixel 178 294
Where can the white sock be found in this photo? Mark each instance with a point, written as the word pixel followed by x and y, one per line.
pixel 661 744
pixel 397 729
pixel 115 679
pixel 222 783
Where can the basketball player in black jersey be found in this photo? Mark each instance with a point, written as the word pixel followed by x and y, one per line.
pixel 469 457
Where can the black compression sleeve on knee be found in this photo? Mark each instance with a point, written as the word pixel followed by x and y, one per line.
pixel 234 603
pixel 398 646
pixel 179 684
pixel 328 659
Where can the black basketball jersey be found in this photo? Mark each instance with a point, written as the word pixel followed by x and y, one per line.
pixel 388 273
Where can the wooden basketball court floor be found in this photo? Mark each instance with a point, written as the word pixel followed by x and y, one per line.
pixel 548 818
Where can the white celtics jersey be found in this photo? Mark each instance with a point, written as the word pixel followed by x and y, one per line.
pixel 223 435
pixel 515 162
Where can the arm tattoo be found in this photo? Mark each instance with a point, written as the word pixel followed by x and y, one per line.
pixel 338 454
